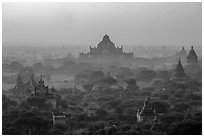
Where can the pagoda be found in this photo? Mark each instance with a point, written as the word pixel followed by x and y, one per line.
pixel 179 73
pixel 192 57
pixel 147 113
pixel 182 54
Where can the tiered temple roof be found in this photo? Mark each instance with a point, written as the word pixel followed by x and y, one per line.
pixel 181 53
pixel 179 71
pixel 147 112
pixel 106 49
pixel 192 57
pixel 33 87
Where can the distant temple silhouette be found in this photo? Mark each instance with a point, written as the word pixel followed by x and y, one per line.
pixel 192 57
pixel 33 88
pixel 182 54
pixel 106 50
pixel 179 73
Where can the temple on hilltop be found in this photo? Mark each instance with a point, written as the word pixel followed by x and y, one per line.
pixel 179 73
pixel 106 50
pixel 146 113
pixel 182 54
pixel 192 57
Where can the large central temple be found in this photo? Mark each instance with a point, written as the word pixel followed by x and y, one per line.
pixel 106 50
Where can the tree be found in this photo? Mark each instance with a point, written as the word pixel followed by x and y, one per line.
pixel 56 132
pixel 125 72
pixel 23 122
pixel 181 107
pixel 109 81
pixel 132 84
pixel 186 127
pixel 97 74
pixel 163 74
pixel 146 75
pixel 160 106
pixel 131 81
pixel 171 117
pixel 15 66
pixel 101 113
pixel 63 103
pixel 146 91
pixel 164 97
pixel 39 102
pixel 88 87
pixel 6 103
pixel 38 67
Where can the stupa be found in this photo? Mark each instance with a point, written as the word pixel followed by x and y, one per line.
pixel 192 57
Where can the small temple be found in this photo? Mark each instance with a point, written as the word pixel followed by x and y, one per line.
pixel 59 118
pixel 106 49
pixel 146 113
pixel 32 88
pixel 192 56
pixel 182 54
pixel 179 73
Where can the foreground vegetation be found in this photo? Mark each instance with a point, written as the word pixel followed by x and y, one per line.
pixel 179 106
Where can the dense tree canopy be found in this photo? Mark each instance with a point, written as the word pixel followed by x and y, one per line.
pixel 186 127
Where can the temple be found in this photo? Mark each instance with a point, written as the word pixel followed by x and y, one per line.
pixel 146 114
pixel 192 57
pixel 179 73
pixel 23 91
pixel 182 54
pixel 106 50
pixel 33 88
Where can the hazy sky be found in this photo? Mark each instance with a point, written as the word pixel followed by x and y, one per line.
pixel 87 23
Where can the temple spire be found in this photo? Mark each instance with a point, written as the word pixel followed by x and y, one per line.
pixel 106 38
pixel 179 70
pixel 179 67
pixel 19 81
pixel 192 57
